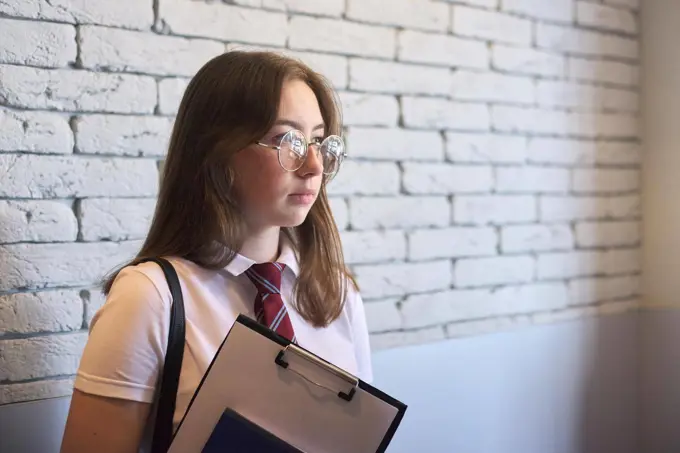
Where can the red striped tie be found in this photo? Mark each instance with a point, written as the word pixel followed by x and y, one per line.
pixel 269 307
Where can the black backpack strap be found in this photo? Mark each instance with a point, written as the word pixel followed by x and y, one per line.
pixel 167 394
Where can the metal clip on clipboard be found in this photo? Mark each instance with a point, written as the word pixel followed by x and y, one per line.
pixel 342 374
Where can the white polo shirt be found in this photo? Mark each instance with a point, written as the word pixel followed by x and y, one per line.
pixel 128 335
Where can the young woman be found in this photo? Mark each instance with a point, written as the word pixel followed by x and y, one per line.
pixel 243 195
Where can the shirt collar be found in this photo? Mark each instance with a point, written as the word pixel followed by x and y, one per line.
pixel 240 263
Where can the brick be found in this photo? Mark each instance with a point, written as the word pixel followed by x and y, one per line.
pixel 494 209
pixel 30 176
pixel 35 132
pixel 170 93
pixel 115 219
pixel 122 135
pixel 485 148
pixel 37 44
pixel 224 22
pixel 401 13
pixel 393 340
pixel 37 221
pixel 94 300
pixel 603 181
pixel 337 36
pixel 425 310
pixel 366 178
pixel 604 71
pixel 395 144
pixel 614 125
pixel 326 8
pixel 532 179
pixel 383 315
pixel 605 17
pixel 492 87
pixel 46 311
pixel 340 212
pixel 630 4
pixel 587 263
pixel 471 272
pixel 567 95
pixel 534 297
pixel 123 13
pixel 388 77
pixel 490 25
pixel 586 125
pixel 132 51
pixel 585 42
pixel 31 358
pixel 527 61
pixel 373 246
pixel 485 326
pixel 622 261
pixel 581 152
pixel 386 280
pixel 454 242
pixel 492 4
pixel 431 113
pixel 531 120
pixel 425 178
pixel 555 10
pixel 585 97
pixel 49 265
pixel 361 109
pixel 333 67
pixel 558 209
pixel 607 234
pixel 31 391
pixel 439 49
pixel 399 212
pixel 583 312
pixel 593 290
pixel 618 100
pixel 253 3
pixel 569 264
pixel 69 90
pixel 464 305
pixel 536 238
pixel 623 153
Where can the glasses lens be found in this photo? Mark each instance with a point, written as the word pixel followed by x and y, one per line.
pixel 293 150
pixel 332 150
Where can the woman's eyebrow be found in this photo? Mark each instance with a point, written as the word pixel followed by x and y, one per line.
pixel 296 125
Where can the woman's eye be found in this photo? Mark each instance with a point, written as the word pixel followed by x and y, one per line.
pixel 317 140
pixel 276 139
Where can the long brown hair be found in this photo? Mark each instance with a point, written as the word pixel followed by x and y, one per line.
pixel 231 102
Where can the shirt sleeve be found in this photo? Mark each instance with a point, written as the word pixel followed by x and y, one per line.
pixel 362 347
pixel 127 340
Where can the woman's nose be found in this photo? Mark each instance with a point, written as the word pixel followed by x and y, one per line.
pixel 313 165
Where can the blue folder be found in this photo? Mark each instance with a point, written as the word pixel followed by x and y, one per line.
pixel 243 436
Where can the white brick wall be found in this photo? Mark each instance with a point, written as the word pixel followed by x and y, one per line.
pixel 493 178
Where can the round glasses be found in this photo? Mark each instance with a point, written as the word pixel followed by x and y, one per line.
pixel 293 147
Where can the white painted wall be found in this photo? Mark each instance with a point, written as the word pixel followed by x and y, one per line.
pixel 493 181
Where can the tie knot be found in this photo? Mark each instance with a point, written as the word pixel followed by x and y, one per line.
pixel 266 277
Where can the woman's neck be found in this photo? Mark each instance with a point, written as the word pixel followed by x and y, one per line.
pixel 262 246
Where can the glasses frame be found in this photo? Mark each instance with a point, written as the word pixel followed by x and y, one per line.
pixel 341 157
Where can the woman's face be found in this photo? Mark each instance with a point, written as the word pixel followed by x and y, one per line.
pixel 269 195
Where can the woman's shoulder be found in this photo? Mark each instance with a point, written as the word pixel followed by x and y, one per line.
pixel 144 286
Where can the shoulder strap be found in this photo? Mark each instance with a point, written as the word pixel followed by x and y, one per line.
pixel 167 395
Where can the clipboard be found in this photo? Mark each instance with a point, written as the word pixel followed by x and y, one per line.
pixel 291 393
